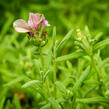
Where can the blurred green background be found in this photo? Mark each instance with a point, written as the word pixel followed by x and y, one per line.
pixel 15 52
pixel 64 14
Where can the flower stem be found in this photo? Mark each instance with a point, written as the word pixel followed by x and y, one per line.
pixel 47 87
pixel 42 63
pixel 54 77
pixel 54 72
pixel 97 71
pixel 41 57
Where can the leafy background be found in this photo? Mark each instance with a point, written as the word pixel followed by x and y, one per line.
pixel 19 62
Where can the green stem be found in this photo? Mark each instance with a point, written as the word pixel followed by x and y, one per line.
pixel 41 57
pixel 47 87
pixel 42 63
pixel 40 33
pixel 90 52
pixel 54 76
pixel 54 72
pixel 97 71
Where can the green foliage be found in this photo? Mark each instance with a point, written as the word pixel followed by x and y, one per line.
pixel 71 71
pixel 81 79
pixel 93 100
pixel 101 44
pixel 64 40
pixel 70 56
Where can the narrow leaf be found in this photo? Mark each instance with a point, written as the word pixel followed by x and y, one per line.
pixel 5 28
pixel 30 83
pixel 81 79
pixel 60 87
pixel 93 100
pixel 2 102
pixel 48 59
pixel 54 35
pixel 13 82
pixel 65 39
pixel 70 56
pixel 17 102
pixel 55 104
pixel 47 106
pixel 101 44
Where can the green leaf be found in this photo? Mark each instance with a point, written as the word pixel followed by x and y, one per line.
pixel 69 65
pixel 98 36
pixel 35 85
pixel 30 83
pixel 6 26
pixel 107 92
pixel 13 82
pixel 48 59
pixel 55 104
pixel 2 102
pixel 47 106
pixel 60 86
pixel 93 100
pixel 8 105
pixel 89 90
pixel 70 56
pixel 101 44
pixel 46 73
pixel 54 35
pixel 81 79
pixel 3 93
pixel 64 40
pixel 17 102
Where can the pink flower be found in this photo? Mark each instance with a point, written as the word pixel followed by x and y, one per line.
pixel 45 23
pixel 33 24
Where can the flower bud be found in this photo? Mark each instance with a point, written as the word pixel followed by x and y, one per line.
pixel 38 39
pixel 79 35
